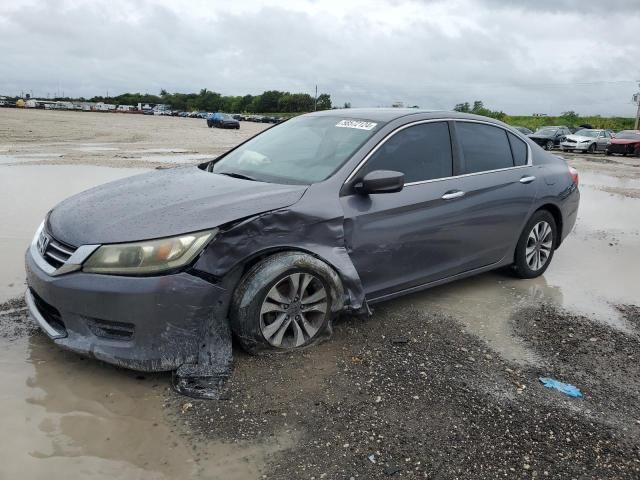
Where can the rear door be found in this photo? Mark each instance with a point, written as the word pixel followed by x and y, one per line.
pixel 603 139
pixel 499 185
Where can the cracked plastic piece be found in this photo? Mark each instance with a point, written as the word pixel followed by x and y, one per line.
pixel 565 388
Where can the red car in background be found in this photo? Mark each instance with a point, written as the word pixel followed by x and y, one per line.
pixel 626 142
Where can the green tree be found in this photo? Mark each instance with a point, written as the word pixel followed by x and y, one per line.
pixel 462 107
pixel 323 102
pixel 570 117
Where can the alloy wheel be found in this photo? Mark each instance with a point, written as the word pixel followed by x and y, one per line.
pixel 539 245
pixel 293 310
pixel 549 145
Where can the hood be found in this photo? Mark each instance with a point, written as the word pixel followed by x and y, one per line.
pixel 580 138
pixel 163 203
pixel 625 141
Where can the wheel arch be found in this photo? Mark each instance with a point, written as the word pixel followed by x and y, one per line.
pixel 248 263
pixel 555 211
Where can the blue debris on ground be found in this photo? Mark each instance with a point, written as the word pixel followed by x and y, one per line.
pixel 565 388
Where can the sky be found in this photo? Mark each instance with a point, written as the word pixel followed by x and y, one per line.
pixel 522 57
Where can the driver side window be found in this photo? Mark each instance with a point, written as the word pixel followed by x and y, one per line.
pixel 422 152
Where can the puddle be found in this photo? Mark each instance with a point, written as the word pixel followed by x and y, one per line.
pixel 70 417
pixel 159 150
pixel 96 149
pixel 178 159
pixel 595 269
pixel 31 191
pixel 6 159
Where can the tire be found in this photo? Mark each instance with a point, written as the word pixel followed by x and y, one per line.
pixel 607 152
pixel 525 265
pixel 592 148
pixel 548 145
pixel 268 311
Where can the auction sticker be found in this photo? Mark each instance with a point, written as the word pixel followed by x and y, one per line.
pixel 359 124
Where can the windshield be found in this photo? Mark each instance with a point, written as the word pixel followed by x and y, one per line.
pixel 303 150
pixel 226 116
pixel 587 133
pixel 629 135
pixel 547 132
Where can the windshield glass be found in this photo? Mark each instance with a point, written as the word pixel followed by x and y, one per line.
pixel 226 116
pixel 303 150
pixel 629 135
pixel 587 133
pixel 547 132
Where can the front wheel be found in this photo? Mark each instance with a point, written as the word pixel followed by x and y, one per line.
pixel 548 145
pixel 285 302
pixel 536 245
pixel 592 148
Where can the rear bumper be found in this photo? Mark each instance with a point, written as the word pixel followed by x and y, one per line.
pixel 141 323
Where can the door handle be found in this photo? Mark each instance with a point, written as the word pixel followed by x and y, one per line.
pixel 452 194
pixel 528 179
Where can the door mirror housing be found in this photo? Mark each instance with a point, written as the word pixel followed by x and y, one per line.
pixel 380 181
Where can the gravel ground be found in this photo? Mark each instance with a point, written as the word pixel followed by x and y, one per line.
pixel 437 403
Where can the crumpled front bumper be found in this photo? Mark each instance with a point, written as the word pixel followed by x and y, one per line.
pixel 142 323
pixel 574 146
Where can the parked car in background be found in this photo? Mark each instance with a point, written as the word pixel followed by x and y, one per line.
pixel 550 137
pixel 255 237
pixel 586 140
pixel 523 130
pixel 222 120
pixel 626 142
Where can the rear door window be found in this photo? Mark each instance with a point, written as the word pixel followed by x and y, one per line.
pixel 484 147
pixel 421 152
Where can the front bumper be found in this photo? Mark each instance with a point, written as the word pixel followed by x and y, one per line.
pixel 574 146
pixel 142 323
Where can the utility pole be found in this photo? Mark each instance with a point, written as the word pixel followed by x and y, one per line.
pixel 636 98
pixel 315 100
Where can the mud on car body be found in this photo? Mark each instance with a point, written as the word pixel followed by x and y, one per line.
pixel 324 213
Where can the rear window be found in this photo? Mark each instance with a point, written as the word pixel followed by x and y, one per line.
pixel 484 147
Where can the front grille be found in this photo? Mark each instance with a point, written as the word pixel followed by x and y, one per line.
pixel 49 312
pixel 54 251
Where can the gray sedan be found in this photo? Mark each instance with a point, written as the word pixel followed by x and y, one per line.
pixel 327 212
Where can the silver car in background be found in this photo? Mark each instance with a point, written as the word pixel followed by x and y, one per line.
pixel 587 140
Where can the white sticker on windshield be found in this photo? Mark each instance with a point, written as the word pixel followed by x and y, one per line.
pixel 359 124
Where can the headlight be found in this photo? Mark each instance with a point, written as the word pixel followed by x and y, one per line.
pixel 584 141
pixel 149 256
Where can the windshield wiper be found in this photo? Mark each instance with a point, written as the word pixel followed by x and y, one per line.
pixel 237 175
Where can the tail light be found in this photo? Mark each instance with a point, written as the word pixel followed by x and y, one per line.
pixel 574 176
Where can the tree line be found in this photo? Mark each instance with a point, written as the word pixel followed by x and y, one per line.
pixel 270 101
pixel 569 119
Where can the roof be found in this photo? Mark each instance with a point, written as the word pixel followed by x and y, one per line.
pixel 389 114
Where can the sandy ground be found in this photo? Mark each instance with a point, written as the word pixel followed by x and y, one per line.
pixel 440 384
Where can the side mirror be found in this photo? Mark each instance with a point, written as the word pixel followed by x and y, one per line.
pixel 380 181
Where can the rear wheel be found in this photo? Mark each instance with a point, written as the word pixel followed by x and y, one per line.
pixel 284 303
pixel 536 245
